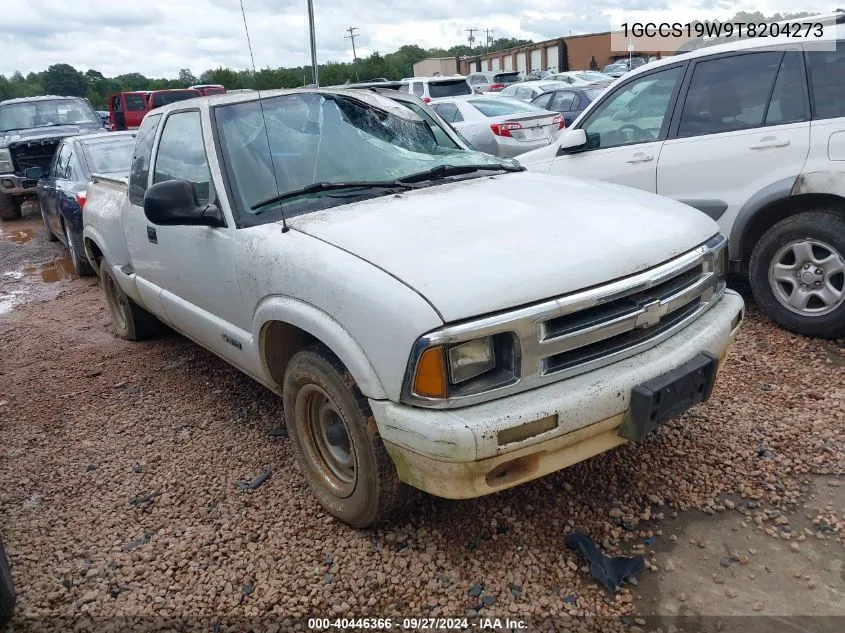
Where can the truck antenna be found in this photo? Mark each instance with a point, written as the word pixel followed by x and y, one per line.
pixel 264 119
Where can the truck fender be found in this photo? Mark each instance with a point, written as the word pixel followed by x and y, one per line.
pixel 117 258
pixel 324 328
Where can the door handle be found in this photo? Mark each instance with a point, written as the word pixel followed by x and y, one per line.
pixel 768 142
pixel 640 157
pixel 151 235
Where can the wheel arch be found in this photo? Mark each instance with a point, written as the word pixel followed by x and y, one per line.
pixel 779 201
pixel 286 326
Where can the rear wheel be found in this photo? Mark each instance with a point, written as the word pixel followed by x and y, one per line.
pixel 10 207
pixel 336 441
pixel 7 589
pixel 797 273
pixel 50 235
pixel 77 254
pixel 131 321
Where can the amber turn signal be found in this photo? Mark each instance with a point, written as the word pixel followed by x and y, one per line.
pixel 430 379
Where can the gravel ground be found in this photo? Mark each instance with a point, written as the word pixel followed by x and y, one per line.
pixel 119 465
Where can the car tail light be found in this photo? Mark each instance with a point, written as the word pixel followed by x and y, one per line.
pixel 80 198
pixel 504 129
pixel 559 121
pixel 496 87
pixel 426 100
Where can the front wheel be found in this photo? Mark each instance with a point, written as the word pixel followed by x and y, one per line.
pixel 336 441
pixel 7 589
pixel 10 207
pixel 797 273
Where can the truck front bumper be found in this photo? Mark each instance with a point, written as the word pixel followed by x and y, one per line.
pixel 14 185
pixel 476 450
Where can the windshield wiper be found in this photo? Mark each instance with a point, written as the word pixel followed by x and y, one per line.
pixel 442 171
pixel 331 186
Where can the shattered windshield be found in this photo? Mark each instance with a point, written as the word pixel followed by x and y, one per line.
pixel 325 138
pixel 32 114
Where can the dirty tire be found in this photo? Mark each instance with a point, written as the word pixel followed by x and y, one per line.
pixel 7 589
pixel 50 235
pixel 374 492
pixel 10 207
pixel 131 321
pixel 826 227
pixel 77 254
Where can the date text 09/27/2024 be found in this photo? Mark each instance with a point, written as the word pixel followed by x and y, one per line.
pixel 416 624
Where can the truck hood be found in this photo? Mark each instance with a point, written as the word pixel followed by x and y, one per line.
pixel 42 133
pixel 493 243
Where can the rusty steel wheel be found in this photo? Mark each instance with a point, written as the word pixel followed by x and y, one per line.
pixel 325 438
pixel 336 440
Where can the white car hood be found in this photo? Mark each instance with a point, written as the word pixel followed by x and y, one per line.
pixel 492 243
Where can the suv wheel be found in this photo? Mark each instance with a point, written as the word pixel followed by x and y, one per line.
pixel 797 273
pixel 336 441
pixel 10 207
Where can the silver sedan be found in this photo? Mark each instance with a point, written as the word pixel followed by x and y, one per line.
pixel 502 126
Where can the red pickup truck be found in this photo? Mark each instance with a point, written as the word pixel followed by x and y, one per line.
pixel 210 89
pixel 127 109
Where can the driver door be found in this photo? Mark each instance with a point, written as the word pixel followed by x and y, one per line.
pixel 194 266
pixel 625 132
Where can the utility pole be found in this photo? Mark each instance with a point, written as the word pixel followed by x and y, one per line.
pixel 471 38
pixel 352 35
pixel 488 39
pixel 313 42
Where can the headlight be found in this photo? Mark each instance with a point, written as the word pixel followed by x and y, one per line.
pixel 717 258
pixel 471 359
pixel 451 370
pixel 6 162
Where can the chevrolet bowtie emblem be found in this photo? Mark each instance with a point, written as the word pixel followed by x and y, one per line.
pixel 651 314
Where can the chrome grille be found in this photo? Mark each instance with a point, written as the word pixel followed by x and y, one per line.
pixel 591 328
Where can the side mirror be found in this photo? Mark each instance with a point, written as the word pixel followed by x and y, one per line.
pixel 572 140
pixel 33 173
pixel 174 203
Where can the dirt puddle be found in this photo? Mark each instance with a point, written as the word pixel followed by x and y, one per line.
pixel 18 287
pixel 21 231
pixel 715 571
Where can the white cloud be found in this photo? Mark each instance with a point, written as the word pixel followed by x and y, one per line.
pixel 158 37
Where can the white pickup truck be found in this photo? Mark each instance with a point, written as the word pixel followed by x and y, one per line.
pixel 431 316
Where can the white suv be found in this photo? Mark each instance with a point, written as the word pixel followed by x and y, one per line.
pixel 753 134
pixel 428 88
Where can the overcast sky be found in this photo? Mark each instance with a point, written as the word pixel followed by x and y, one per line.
pixel 158 37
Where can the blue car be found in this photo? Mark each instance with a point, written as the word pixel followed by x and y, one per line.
pixel 570 102
pixel 61 191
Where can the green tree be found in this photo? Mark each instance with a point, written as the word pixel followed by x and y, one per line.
pixel 65 80
pixel 133 81
pixel 186 78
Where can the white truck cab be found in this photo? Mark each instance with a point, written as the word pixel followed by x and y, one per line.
pixel 429 315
